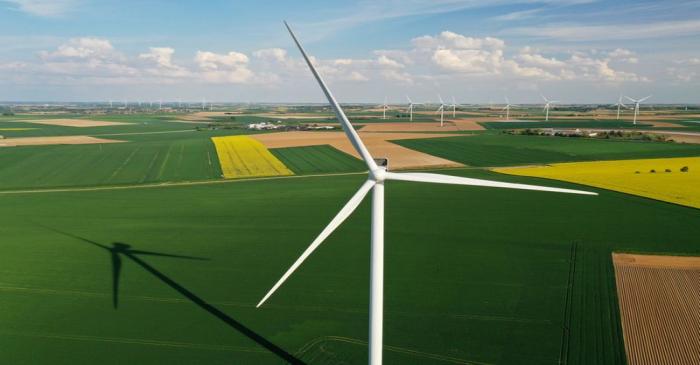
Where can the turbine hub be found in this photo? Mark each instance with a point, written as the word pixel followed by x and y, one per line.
pixel 378 174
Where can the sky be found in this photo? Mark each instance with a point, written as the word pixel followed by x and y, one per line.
pixel 575 51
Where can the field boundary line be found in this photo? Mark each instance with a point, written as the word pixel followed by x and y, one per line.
pixel 172 184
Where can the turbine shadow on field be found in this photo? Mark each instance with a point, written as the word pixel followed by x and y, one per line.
pixel 118 249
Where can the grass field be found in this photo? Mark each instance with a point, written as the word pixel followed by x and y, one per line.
pixel 660 179
pixel 243 156
pixel 317 159
pixel 511 150
pixel 480 293
pixel 171 274
pixel 566 124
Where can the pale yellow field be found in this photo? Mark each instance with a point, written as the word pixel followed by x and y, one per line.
pixel 17 129
pixel 242 156
pixel 675 186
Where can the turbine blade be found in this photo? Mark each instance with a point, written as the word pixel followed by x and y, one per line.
pixel 340 114
pixel 543 98
pixel 342 215
pixel 641 100
pixel 630 99
pixel 409 100
pixel 457 180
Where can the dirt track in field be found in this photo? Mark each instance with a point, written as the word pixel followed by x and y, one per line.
pixel 43 141
pixel 659 299
pixel 378 144
pixel 79 123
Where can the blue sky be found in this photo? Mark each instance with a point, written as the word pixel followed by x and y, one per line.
pixel 476 51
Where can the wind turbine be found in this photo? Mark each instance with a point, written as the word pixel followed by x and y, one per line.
pixel 636 106
pixel 454 107
pixel 547 105
pixel 507 108
pixel 375 181
pixel 619 105
pixel 385 106
pixel 441 110
pixel 204 103
pixel 410 107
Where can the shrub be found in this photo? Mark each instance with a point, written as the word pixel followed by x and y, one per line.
pixel 684 169
pixel 668 170
pixel 652 171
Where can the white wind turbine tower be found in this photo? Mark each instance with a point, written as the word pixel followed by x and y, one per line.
pixel 547 105
pixel 619 105
pixel 441 110
pixel 204 104
pixel 454 107
pixel 507 108
pixel 375 182
pixel 410 107
pixel 636 106
pixel 385 106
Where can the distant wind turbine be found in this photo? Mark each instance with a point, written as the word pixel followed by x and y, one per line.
pixel 619 105
pixel 547 105
pixel 507 108
pixel 441 110
pixel 636 106
pixel 454 107
pixel 385 106
pixel 375 181
pixel 411 104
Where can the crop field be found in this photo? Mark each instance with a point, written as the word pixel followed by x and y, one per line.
pixel 511 150
pixel 187 156
pixel 242 156
pixel 612 124
pixel 480 293
pixel 662 179
pixel 109 270
pixel 659 300
pixel 317 159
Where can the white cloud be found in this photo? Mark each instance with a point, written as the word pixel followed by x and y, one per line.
pixel 162 58
pixel 44 8
pixel 274 54
pixel 449 39
pixel 224 68
pixel 84 48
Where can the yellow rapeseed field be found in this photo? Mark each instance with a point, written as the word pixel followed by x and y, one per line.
pixel 242 156
pixel 667 182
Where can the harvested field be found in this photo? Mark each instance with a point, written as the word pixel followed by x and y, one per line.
pixel 450 126
pixel 660 179
pixel 659 297
pixel 378 144
pixel 242 156
pixel 79 123
pixel 41 141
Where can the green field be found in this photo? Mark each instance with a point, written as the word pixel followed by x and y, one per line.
pixel 478 293
pixel 171 274
pixel 509 150
pixel 317 159
pixel 608 124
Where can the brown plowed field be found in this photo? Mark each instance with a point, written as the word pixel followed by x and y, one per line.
pixel 452 125
pixel 659 299
pixel 41 141
pixel 378 144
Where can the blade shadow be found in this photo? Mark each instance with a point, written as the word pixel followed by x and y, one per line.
pixel 119 248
